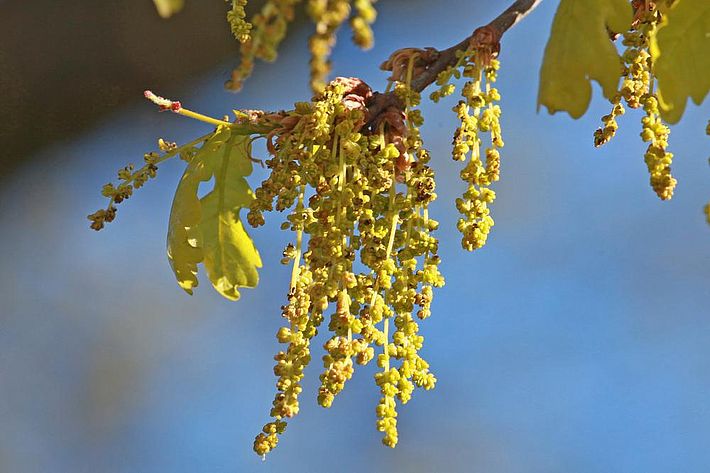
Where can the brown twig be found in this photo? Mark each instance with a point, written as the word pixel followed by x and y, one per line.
pixel 488 36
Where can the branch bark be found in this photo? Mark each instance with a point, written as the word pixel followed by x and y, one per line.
pixel 488 36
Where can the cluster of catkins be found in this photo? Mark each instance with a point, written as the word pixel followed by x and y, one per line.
pixel 637 92
pixel 478 113
pixel 262 36
pixel 356 186
pixel 364 257
pixel 130 179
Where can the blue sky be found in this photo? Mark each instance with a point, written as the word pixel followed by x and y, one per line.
pixel 577 340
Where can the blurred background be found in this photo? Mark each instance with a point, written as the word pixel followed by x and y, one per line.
pixel 577 340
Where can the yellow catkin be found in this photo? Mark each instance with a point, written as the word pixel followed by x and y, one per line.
pixel 637 92
pixel 354 212
pixel 479 114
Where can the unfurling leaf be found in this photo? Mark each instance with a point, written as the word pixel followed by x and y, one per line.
pixel 208 230
pixel 681 53
pixel 579 50
pixel 231 259
pixel 167 8
pixel 184 254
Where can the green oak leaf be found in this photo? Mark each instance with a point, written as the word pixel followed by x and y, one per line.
pixel 231 259
pixel 681 54
pixel 184 254
pixel 578 51
pixel 208 230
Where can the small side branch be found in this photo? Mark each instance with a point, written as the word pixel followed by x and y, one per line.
pixel 487 36
pixel 516 12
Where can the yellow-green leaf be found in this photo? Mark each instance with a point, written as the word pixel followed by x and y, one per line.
pixel 579 50
pixel 230 257
pixel 208 230
pixel 183 252
pixel 167 8
pixel 681 54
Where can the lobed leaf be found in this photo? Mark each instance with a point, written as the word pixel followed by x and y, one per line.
pixel 578 51
pixel 231 259
pixel 209 230
pixel 183 252
pixel 681 54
